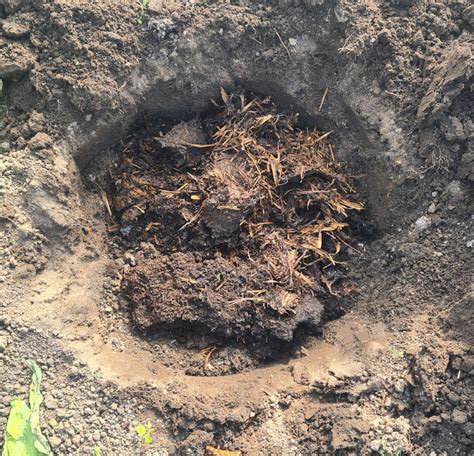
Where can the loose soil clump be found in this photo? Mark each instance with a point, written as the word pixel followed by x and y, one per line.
pixel 247 213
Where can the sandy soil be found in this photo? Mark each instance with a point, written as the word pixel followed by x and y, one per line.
pixel 391 371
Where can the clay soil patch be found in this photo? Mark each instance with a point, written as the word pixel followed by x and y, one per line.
pixel 246 214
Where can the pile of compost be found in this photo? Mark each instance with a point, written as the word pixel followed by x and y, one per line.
pixel 247 215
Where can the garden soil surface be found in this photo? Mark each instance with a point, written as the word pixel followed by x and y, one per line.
pixel 219 294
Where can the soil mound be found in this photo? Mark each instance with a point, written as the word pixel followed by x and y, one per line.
pixel 247 214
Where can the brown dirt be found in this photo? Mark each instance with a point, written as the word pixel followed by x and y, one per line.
pixel 393 375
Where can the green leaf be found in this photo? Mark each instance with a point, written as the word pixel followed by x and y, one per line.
pixel 141 430
pixel 147 439
pixel 23 435
pixel 145 431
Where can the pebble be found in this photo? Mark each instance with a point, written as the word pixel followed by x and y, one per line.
pixel 61 413
pixel 54 441
pixel 130 259
pixel 51 403
pixel 458 416
pixel 422 223
pixel 375 445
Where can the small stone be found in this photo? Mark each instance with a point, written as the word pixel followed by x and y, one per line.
pixel 293 41
pixel 130 259
pixel 50 403
pixel 422 223
pixel 432 208
pixel 399 386
pixel 375 445
pixel 458 416
pixel 61 413
pixel 54 441
pixel 53 423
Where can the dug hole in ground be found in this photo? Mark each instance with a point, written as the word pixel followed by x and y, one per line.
pixel 239 228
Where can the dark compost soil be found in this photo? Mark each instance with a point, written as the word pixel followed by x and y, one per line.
pixel 248 229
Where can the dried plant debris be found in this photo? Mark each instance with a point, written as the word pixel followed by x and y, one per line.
pixel 247 215
pixel 213 451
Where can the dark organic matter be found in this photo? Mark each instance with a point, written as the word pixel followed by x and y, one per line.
pixel 249 226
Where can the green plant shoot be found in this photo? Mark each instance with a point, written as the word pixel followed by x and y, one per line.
pixel 145 431
pixel 143 5
pixel 23 436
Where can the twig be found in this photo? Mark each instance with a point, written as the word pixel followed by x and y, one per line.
pixel 207 352
pixel 323 99
pixel 283 44
pixel 113 229
pixel 323 137
pixel 105 200
pixel 199 146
